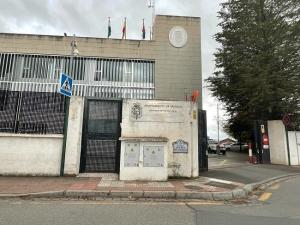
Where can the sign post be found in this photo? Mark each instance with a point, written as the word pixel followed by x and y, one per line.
pixel 65 89
pixel 286 121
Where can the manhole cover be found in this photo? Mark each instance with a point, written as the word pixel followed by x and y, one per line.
pixel 194 187
pixel 221 185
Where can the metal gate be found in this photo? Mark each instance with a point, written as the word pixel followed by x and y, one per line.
pixel 101 133
pixel 202 141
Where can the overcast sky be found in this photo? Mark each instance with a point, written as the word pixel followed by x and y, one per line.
pixel 89 18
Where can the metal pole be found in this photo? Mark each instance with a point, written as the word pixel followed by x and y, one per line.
pixel 62 165
pixel 152 5
pixel 288 145
pixel 218 123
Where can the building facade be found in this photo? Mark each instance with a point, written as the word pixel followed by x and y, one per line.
pixel 31 110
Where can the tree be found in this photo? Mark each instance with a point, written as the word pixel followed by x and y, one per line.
pixel 258 61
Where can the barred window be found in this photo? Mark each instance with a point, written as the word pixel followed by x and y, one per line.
pixel 3 99
pixel 75 67
pixel 32 112
pixel 6 64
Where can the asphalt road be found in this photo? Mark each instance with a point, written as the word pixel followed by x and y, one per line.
pixel 279 205
pixel 234 167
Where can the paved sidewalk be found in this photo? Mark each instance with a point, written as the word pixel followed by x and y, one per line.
pixel 23 185
pixel 218 184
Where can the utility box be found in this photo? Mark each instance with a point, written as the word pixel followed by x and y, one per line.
pixel 144 159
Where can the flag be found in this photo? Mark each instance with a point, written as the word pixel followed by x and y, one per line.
pixel 108 28
pixel 124 30
pixel 143 31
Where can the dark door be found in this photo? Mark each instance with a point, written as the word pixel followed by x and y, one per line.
pixel 202 141
pixel 101 133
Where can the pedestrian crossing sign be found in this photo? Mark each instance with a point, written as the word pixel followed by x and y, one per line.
pixel 65 85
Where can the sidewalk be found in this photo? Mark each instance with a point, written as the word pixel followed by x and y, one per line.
pixel 221 184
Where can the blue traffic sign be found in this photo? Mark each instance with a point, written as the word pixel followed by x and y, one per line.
pixel 65 85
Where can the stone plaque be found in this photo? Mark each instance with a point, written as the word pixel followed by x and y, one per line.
pixel 153 156
pixel 132 154
pixel 180 146
pixel 154 111
pixel 178 37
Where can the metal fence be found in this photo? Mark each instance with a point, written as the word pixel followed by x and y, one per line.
pixel 98 77
pixel 31 112
pixel 29 83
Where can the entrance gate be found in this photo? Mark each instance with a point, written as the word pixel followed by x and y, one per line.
pixel 100 139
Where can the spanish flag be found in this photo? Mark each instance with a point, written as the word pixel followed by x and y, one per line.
pixel 109 28
pixel 124 30
pixel 143 31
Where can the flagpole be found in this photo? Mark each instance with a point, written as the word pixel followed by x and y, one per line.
pixel 109 28
pixel 152 5
pixel 125 27
pixel 143 30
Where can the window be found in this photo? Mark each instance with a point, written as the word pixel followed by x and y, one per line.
pixel 98 72
pixel 3 100
pixel 75 67
pixel 6 64
pixel 128 67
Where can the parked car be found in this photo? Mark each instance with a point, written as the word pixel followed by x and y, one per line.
pixel 213 147
pixel 236 147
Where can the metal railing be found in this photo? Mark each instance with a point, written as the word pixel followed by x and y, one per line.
pixel 96 77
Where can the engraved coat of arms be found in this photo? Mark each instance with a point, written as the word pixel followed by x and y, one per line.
pixel 136 111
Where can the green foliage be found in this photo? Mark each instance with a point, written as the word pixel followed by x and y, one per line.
pixel 258 61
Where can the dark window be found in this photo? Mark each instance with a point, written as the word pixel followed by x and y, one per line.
pixel 6 64
pixel 3 99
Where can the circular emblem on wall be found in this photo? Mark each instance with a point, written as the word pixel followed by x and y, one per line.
pixel 178 37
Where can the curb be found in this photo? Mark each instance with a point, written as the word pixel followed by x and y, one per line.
pixel 238 193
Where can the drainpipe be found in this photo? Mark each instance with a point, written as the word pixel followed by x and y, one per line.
pixel 62 165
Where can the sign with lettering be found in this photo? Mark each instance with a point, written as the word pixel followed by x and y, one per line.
pixel 180 146
pixel 157 111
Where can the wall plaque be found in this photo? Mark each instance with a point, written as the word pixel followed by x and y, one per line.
pixel 180 146
pixel 178 37
pixel 153 156
pixel 132 154
pixel 154 111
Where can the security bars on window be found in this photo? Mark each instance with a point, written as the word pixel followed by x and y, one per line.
pixel 99 77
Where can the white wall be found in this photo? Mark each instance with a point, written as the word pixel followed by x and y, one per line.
pixel 278 143
pixel 173 122
pixel 26 154
pixel 294 144
pixel 73 145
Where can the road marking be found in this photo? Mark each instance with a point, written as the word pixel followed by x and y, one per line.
pixel 265 196
pixel 221 181
pixel 275 186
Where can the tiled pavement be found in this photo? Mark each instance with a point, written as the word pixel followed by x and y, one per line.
pixel 18 185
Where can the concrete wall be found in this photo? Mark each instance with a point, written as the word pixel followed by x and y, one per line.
pixel 278 143
pixel 294 144
pixel 166 119
pixel 73 145
pixel 177 70
pixel 25 154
